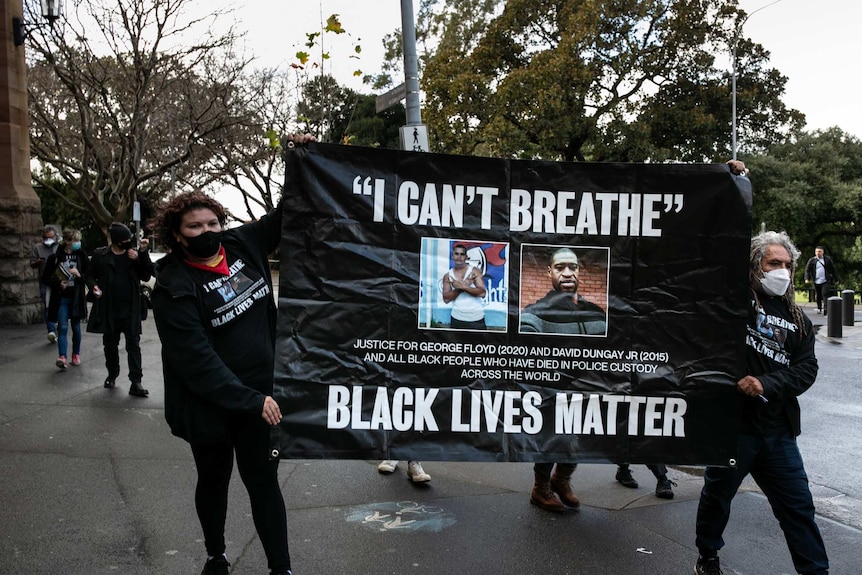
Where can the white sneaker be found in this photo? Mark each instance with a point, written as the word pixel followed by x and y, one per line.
pixel 387 466
pixel 415 472
pixel 52 337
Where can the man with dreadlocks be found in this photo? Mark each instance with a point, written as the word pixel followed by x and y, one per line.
pixel 781 365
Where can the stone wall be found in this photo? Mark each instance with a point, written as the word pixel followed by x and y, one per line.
pixel 20 208
pixel 20 229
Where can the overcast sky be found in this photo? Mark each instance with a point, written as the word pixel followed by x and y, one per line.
pixel 815 44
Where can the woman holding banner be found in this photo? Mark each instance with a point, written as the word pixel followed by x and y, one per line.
pixel 215 316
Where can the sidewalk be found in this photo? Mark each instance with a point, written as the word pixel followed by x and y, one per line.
pixel 850 335
pixel 93 483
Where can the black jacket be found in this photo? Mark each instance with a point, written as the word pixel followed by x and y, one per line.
pixel 783 359
pixel 53 274
pixel 101 273
pixel 218 333
pixel 558 312
pixel 831 273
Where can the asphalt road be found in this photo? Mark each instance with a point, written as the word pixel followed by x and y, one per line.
pixel 831 440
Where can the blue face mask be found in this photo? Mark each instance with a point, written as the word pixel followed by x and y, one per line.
pixel 76 246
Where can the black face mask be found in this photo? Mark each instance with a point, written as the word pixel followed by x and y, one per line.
pixel 205 245
pixel 126 244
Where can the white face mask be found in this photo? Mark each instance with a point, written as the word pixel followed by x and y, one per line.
pixel 776 282
pixel 48 241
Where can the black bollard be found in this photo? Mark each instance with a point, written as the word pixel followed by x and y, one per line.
pixel 833 317
pixel 848 314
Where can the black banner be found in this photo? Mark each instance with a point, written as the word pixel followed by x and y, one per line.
pixel 427 309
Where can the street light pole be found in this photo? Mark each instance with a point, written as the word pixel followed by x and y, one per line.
pixel 414 136
pixel 733 79
pixel 411 65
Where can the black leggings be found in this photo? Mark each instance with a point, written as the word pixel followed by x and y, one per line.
pixel 250 441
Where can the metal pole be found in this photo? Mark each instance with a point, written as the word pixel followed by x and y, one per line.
pixel 733 97
pixel 848 311
pixel 411 64
pixel 833 317
pixel 733 79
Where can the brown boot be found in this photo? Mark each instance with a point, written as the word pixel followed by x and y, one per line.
pixel 543 497
pixel 561 486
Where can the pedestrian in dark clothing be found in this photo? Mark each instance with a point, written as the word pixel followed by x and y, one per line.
pixel 780 366
pixel 114 278
pixel 67 303
pixel 38 257
pixel 821 271
pixel 663 485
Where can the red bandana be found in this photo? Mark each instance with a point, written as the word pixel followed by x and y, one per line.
pixel 220 267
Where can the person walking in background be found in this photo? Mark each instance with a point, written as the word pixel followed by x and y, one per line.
pixel 38 257
pixel 663 486
pixel 114 278
pixel 64 275
pixel 821 271
pixel 215 315
pixel 781 365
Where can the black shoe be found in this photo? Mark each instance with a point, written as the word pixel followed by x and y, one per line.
pixel 288 572
pixel 216 566
pixel 709 566
pixel 624 476
pixel 138 390
pixel 110 382
pixel 663 488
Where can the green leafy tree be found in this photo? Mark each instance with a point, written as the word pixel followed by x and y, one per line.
pixel 325 108
pixel 369 128
pixel 597 80
pixel 688 117
pixel 436 21
pixel 811 187
pixel 56 212
pixel 347 116
pixel 323 101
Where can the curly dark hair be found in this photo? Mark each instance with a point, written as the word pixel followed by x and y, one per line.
pixel 169 216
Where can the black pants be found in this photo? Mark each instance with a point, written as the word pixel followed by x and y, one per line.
pixel 544 469
pixel 821 291
pixel 776 465
pixel 111 342
pixel 250 441
pixel 658 469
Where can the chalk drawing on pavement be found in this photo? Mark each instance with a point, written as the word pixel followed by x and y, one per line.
pixel 401 516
